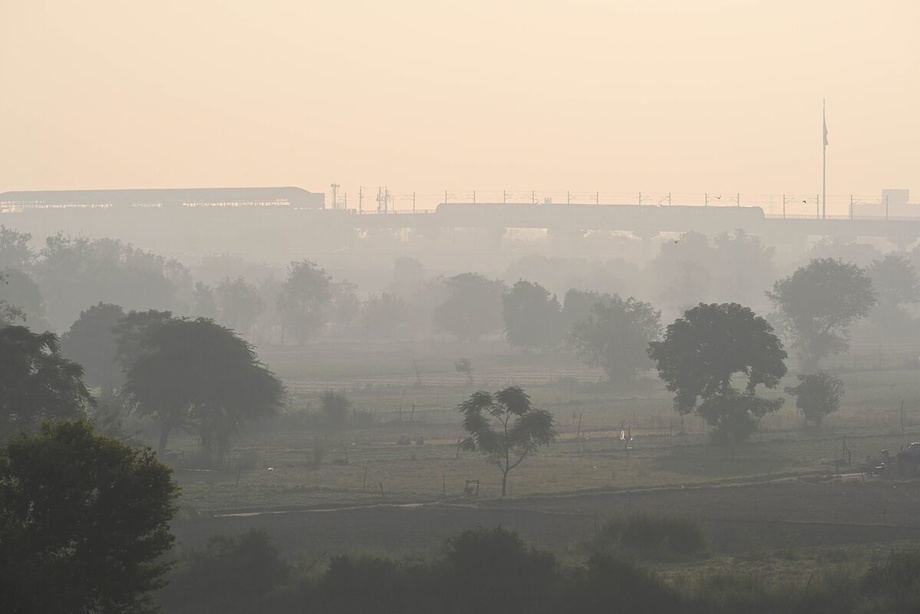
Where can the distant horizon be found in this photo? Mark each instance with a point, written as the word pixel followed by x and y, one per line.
pixel 717 96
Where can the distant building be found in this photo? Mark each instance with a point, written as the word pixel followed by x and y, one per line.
pixel 894 203
pixel 167 198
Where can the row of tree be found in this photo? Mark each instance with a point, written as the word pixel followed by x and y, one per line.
pixel 52 285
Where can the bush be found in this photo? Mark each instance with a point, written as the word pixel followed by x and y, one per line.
pixel 897 579
pixel 652 536
pixel 335 406
pixel 231 574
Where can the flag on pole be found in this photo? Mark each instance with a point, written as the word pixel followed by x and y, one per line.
pixel 825 130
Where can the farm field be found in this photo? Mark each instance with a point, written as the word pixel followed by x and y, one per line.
pixel 393 480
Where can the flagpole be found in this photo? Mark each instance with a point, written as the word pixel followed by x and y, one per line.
pixel 824 160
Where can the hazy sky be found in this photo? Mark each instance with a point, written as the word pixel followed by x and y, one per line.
pixel 620 96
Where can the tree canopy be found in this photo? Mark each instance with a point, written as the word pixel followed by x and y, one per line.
pixel 303 299
pixel 83 522
pixel 817 395
pixel 20 292
pixel 74 273
pixel 616 334
pixel 473 307
pixel 197 374
pixel 533 317
pixel 819 302
pixel 506 427
pixel 37 383
pixel 701 353
pixel 895 281
pixel 92 342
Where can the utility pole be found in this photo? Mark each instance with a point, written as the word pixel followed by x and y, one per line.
pixel 360 198
pixel 413 202
pixel 824 160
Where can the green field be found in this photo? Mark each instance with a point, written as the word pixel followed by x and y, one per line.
pixel 412 392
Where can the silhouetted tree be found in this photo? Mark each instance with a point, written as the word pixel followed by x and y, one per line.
pixel 615 336
pixel 577 306
pixel 344 304
pixel 91 341
pixel 84 522
pixel 204 304
pixel 9 314
pixel 817 395
pixel 819 302
pixel 463 365
pixel 239 304
pixel 335 406
pixel 493 570
pixel 131 334
pixel 36 382
pixel 701 353
pixel 683 271
pixel 20 292
pixel 742 269
pixel 533 318
pixel 15 252
pixel 230 574
pixel 303 299
pixel 895 281
pixel 473 307
pixel 74 273
pixel 506 427
pixel 198 374
pixel 384 314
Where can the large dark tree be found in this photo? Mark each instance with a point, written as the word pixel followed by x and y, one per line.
pixel 819 302
pixel 701 353
pixel 83 522
pixel 533 318
pixel 303 300
pixel 196 374
pixel 36 382
pixel 615 336
pixel 92 342
pixel 473 307
pixel 506 427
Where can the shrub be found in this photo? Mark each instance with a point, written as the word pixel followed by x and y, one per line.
pixel 335 406
pixel 652 535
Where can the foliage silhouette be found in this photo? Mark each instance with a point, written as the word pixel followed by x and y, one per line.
pixel 615 336
pixel 198 374
pixel 817 395
pixel 37 383
pixel 700 354
pixel 83 522
pixel 818 303
pixel 505 427
pixel 533 317
pixel 92 341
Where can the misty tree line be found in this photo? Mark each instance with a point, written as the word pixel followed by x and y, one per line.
pixel 52 285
